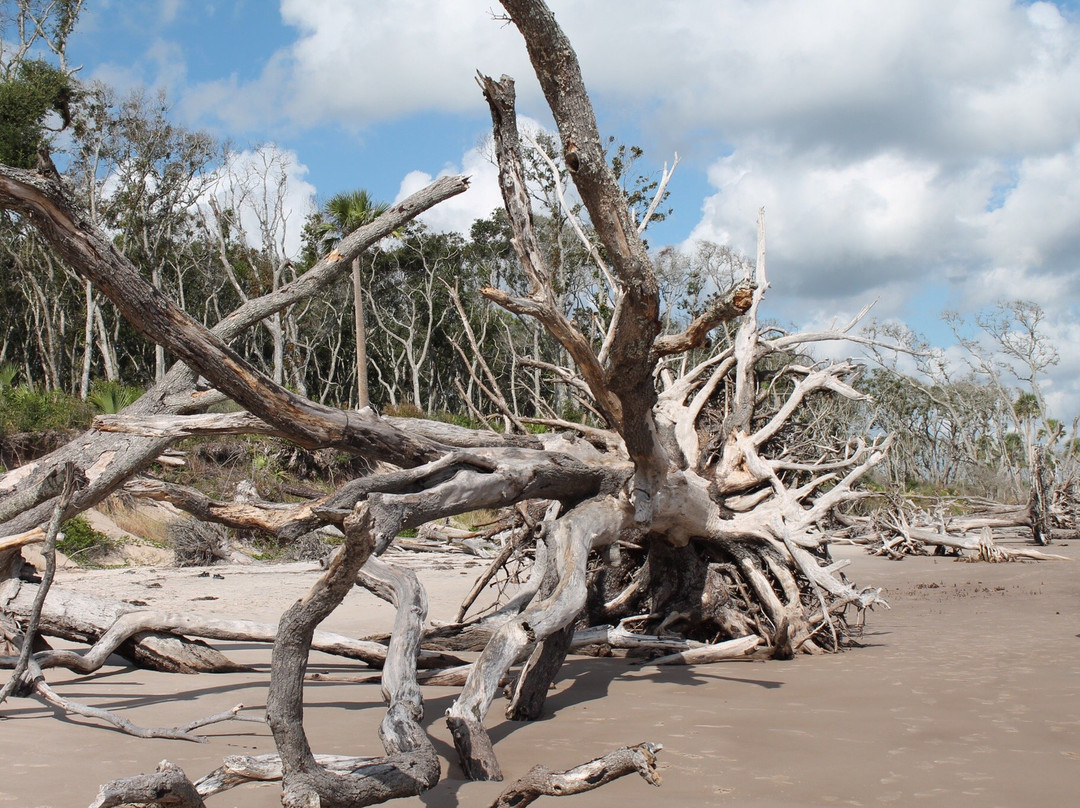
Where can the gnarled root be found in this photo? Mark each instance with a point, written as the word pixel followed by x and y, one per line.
pixel 598 520
pixel 411 766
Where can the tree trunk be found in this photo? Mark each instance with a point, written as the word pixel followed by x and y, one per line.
pixel 362 397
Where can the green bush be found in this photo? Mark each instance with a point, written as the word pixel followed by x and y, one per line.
pixel 23 409
pixel 457 420
pixel 110 397
pixel 81 542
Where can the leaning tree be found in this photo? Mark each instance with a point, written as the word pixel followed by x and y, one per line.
pixel 690 511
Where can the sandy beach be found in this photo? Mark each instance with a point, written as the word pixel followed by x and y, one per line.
pixel 966 692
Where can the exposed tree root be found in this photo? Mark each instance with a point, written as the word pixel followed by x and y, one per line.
pixel 692 510
pixel 905 530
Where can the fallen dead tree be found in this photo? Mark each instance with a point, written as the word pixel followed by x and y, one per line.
pixel 907 527
pixel 693 505
pixel 168 785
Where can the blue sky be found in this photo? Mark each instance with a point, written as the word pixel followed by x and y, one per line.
pixel 925 154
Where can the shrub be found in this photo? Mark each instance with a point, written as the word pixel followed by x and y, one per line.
pixel 405 409
pixel 24 409
pixel 198 544
pixel 110 397
pixel 457 420
pixel 80 542
pixel 311 546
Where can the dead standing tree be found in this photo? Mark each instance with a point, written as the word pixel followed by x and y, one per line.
pixel 682 479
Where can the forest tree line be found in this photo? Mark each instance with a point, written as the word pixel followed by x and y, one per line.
pixel 205 224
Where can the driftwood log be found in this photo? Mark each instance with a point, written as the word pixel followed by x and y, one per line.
pixel 901 529
pixel 682 513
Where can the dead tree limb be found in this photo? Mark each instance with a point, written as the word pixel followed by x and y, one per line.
pixel 410 770
pixel 541 781
pixel 575 533
pixel 167 787
pixel 30 632
pixel 33 682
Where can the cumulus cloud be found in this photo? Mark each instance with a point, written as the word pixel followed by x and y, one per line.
pixel 356 64
pixel 836 227
pixel 938 148
pixel 458 213
pixel 896 146
pixel 837 69
pixel 267 187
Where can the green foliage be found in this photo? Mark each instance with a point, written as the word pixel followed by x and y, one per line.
pixel 25 409
pixel 81 542
pixel 639 189
pixel 25 103
pixel 457 419
pixel 110 397
pixel 339 216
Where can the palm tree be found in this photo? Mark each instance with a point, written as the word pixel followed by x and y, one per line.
pixel 343 213
pixel 1027 409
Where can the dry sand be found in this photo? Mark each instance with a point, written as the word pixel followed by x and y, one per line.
pixel 967 692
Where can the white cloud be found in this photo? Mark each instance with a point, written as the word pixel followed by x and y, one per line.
pixel 169 9
pixel 360 63
pixel 837 227
pixel 896 146
pixel 458 213
pixel 267 186
pixel 1063 384
pixel 1038 224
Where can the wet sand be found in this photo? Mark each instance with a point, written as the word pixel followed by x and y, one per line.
pixel 966 692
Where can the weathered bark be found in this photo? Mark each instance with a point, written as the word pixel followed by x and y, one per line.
pixel 592 524
pixel 33 622
pixel 730 649
pixel 161 639
pixel 400 730
pixel 903 530
pixel 541 781
pixel 1039 507
pixel 538 675
pixel 238 769
pixel 540 669
pixel 410 770
pixel 167 786
pixel 363 400
pixel 86 619
pixel 982 546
